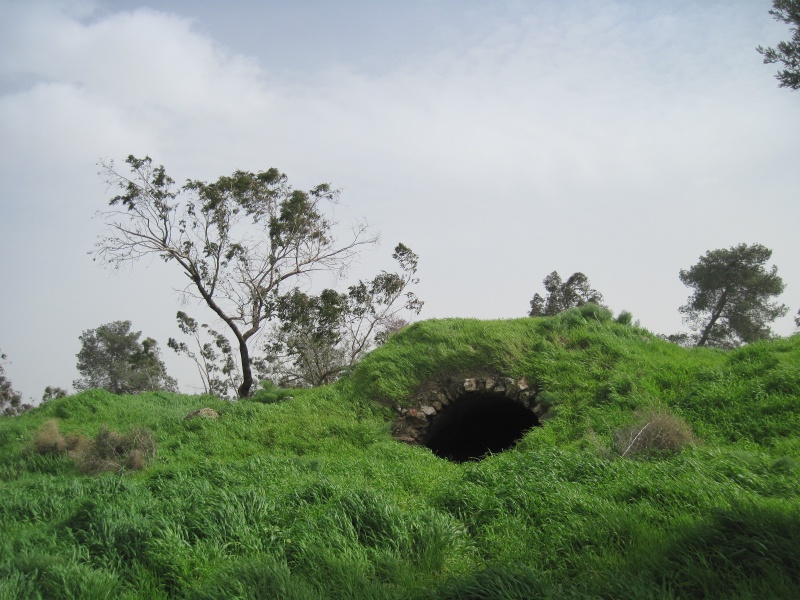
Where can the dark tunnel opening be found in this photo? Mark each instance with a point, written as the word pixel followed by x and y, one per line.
pixel 478 424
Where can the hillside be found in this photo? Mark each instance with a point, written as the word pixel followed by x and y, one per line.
pixel 312 497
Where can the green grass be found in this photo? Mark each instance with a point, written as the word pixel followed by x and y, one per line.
pixel 312 498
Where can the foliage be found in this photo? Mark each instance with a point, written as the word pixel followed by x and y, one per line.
pixel 731 300
pixel 53 392
pixel 112 358
pixel 270 393
pixel 312 498
pixel 787 53
pixel 242 241
pixel 320 337
pixel 10 399
pixel 561 296
pixel 214 359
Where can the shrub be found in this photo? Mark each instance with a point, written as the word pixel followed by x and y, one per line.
pixel 270 393
pixel 112 451
pixel 625 318
pixel 653 432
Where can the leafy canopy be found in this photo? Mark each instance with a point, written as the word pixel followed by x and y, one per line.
pixel 113 359
pixel 731 300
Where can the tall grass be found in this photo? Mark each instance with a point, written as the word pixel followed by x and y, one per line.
pixel 311 498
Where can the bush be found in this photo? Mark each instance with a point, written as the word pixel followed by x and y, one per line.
pixel 112 451
pixel 625 318
pixel 270 393
pixel 653 432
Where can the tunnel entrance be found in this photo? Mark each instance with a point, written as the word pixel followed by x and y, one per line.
pixel 478 425
pixel 466 419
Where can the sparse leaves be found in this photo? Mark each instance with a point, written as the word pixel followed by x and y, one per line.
pixel 213 359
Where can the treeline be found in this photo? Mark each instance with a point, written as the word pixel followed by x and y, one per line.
pixel 731 302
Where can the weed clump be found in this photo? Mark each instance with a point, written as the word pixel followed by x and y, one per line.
pixel 108 451
pixel 112 451
pixel 48 439
pixel 653 432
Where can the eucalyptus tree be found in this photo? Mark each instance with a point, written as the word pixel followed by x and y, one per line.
pixel 731 303
pixel 241 242
pixel 319 337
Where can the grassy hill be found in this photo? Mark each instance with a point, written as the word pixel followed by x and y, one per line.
pixel 311 497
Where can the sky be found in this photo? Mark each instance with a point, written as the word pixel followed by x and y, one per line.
pixel 499 140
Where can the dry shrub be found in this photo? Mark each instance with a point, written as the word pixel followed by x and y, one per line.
pixel 48 439
pixel 112 451
pixel 654 432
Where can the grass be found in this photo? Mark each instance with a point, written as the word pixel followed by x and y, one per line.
pixel 312 498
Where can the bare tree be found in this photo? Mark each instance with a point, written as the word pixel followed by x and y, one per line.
pixel 239 241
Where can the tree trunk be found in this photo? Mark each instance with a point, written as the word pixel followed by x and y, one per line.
pixel 247 373
pixel 714 316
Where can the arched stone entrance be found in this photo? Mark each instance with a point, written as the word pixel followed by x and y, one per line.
pixel 466 419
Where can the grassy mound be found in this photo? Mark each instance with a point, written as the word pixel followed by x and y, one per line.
pixel 664 473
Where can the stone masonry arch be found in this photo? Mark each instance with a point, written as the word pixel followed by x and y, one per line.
pixel 467 418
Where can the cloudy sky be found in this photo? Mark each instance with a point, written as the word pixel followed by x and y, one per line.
pixel 499 140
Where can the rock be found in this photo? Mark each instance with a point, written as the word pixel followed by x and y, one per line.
pixel 428 410
pixel 470 385
pixel 203 413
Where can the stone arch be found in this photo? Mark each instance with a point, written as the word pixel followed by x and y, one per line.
pixel 465 419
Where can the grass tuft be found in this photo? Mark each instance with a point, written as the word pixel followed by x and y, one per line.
pixel 654 432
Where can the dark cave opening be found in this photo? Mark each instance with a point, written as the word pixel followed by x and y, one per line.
pixel 478 424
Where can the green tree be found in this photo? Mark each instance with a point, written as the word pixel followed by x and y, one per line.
pixel 112 358
pixel 320 337
pixel 243 242
pixel 787 53
pixel 563 295
pixel 10 400
pixel 731 300
pixel 53 393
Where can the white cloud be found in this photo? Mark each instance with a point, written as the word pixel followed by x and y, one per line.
pixel 618 138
